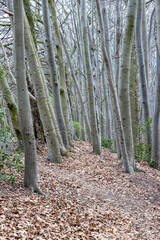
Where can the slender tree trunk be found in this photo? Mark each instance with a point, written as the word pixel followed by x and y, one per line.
pixel 116 109
pixel 107 104
pixel 30 173
pixel 117 40
pixel 141 67
pixel 79 93
pixel 53 73
pixel 30 18
pixel 132 93
pixel 63 88
pixel 156 118
pixel 94 128
pixel 145 41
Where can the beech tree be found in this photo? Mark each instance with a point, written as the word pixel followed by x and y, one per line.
pixel 142 66
pixel 30 173
pixel 94 129
pixel 93 66
pixel 53 72
pixel 156 118
pixel 124 75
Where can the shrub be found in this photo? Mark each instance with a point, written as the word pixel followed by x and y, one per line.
pixel 10 163
pixel 77 127
pixel 143 149
pixel 108 143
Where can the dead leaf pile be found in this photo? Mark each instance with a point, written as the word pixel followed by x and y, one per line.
pixel 87 197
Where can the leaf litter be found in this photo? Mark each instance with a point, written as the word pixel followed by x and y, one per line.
pixel 87 197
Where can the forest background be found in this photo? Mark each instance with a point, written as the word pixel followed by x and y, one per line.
pixel 79 70
pixel 79 119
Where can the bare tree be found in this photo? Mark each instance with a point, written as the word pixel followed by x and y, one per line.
pixel 30 173
pixel 156 119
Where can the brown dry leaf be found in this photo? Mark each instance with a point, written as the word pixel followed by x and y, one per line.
pixel 87 197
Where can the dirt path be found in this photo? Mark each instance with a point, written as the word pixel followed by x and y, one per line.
pixel 88 197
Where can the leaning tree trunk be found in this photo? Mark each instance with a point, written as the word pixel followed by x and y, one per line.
pixel 156 118
pixel 42 100
pixel 12 106
pixel 30 172
pixel 30 18
pixel 53 73
pixel 94 128
pixel 124 75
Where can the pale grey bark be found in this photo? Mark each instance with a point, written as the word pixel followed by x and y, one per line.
pixel 30 172
pixel 96 141
pixel 117 40
pixel 141 68
pixel 81 52
pixel 8 68
pixel 62 79
pixel 115 103
pixel 53 73
pixel 124 75
pixel 156 118
pixel 113 76
pixel 145 41
pixel 88 128
pixel 107 104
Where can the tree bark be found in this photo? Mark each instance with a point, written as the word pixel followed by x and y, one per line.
pixel 30 173
pixel 116 109
pixel 53 73
pixel 141 67
pixel 94 128
pixel 42 98
pixel 63 88
pixel 12 106
pixel 156 118
pixel 124 75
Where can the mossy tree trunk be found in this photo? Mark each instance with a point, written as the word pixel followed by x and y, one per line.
pixel 12 105
pixel 41 96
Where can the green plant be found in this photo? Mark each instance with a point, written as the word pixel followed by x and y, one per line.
pixel 108 143
pixel 78 127
pixel 143 149
pixel 10 163
pixel 5 130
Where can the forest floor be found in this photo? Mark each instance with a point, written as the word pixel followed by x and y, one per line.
pixel 87 197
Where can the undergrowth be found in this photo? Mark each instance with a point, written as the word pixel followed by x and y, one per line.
pixel 108 143
pixel 10 163
pixel 143 149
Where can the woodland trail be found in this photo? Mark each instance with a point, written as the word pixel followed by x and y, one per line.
pixel 87 197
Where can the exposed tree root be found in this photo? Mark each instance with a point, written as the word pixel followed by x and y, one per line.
pixel 35 189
